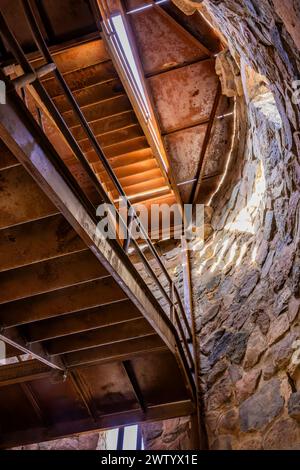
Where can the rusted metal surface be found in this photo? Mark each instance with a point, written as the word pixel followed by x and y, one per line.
pixel 161 45
pixel 47 276
pixel 122 351
pixel 220 141
pixel 81 321
pixel 203 155
pixel 185 96
pixel 23 244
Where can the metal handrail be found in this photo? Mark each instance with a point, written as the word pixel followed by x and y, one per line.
pixel 58 119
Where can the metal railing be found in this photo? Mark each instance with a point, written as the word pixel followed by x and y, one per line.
pixel 31 76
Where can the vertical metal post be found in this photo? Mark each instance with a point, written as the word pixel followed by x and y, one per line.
pixel 120 441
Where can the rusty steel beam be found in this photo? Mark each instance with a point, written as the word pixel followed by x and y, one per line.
pixel 54 183
pixel 107 125
pixel 30 17
pixel 7 159
pixel 99 110
pixel 63 301
pixel 86 96
pixel 48 276
pixel 30 395
pixel 89 76
pixel 121 351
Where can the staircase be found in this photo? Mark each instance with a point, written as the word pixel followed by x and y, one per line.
pixel 88 345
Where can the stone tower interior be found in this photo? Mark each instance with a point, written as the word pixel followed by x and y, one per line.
pixel 189 343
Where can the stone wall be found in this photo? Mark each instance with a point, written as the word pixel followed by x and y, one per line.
pixel 246 277
pixel 171 434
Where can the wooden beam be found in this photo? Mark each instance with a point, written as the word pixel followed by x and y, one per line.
pixel 61 302
pixel 37 241
pixel 17 186
pixel 25 371
pixel 96 338
pixel 47 276
pixel 121 351
pixel 85 320
pixel 154 413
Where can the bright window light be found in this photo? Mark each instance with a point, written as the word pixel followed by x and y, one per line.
pixel 124 42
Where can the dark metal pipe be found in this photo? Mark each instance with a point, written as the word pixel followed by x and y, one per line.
pixel 47 56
